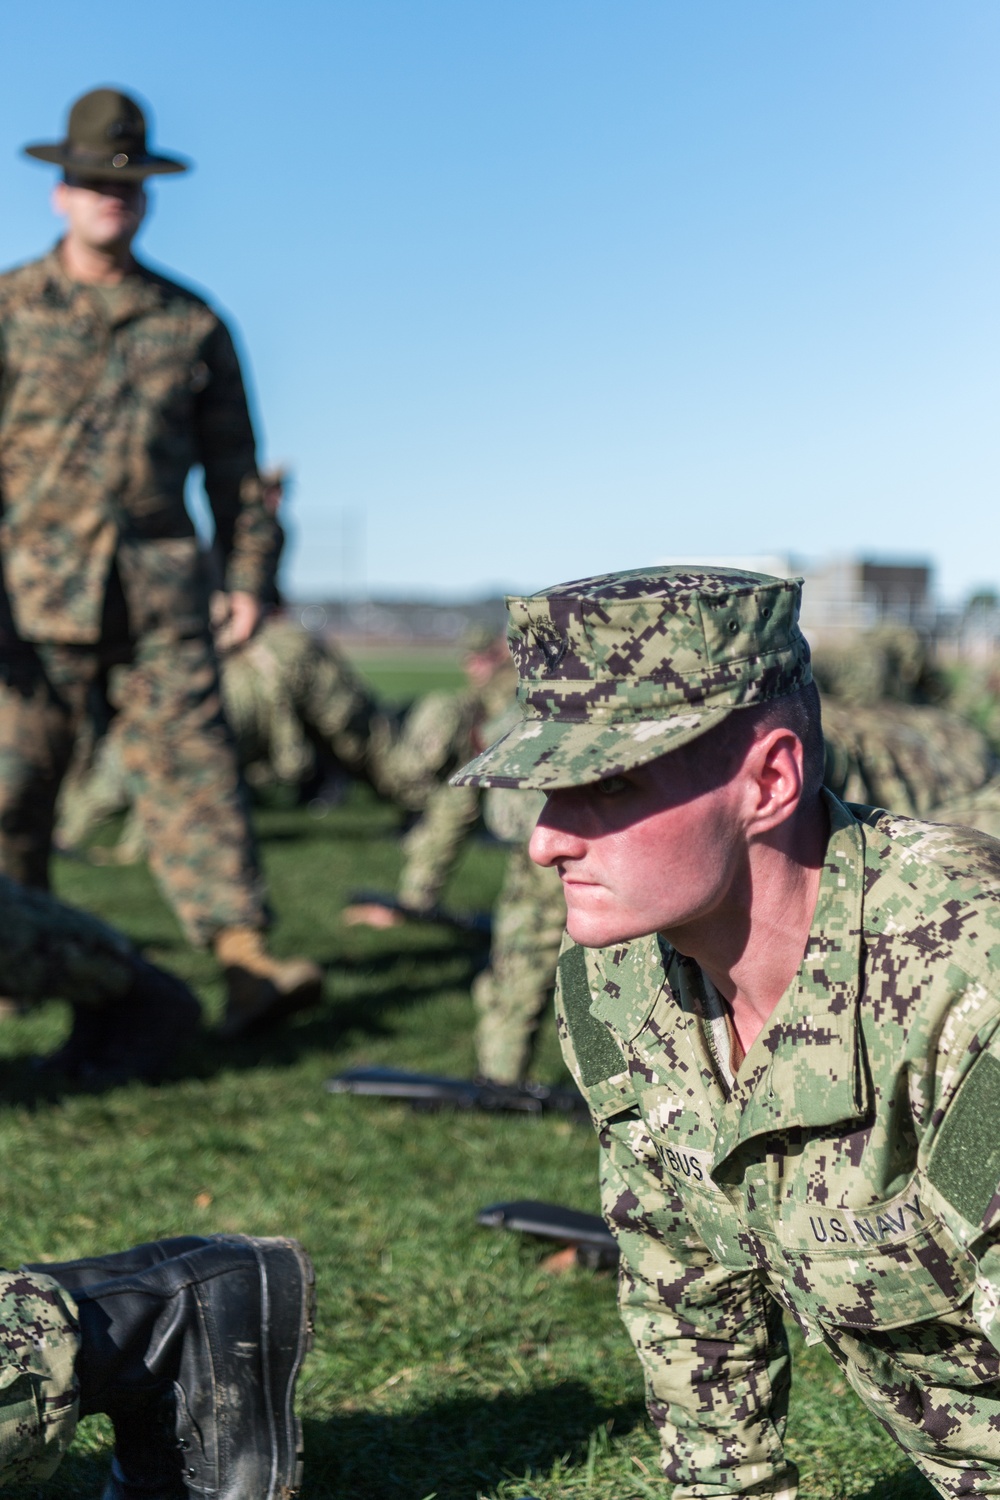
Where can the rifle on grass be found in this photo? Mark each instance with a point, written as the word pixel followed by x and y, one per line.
pixel 428 1092
pixel 595 1245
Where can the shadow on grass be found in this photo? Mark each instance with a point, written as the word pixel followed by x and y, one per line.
pixel 77 1476
pixel 910 1485
pixel 457 1449
pixel 390 980
pixel 454 1449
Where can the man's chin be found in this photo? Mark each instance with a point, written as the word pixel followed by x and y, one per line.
pixel 600 930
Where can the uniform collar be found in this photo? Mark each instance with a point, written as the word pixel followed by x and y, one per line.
pixel 138 292
pixel 806 1068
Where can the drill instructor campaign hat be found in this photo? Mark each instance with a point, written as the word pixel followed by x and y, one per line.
pixel 616 670
pixel 106 139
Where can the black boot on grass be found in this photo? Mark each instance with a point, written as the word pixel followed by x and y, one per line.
pixel 194 1358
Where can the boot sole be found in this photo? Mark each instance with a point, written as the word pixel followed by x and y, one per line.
pixel 287 1303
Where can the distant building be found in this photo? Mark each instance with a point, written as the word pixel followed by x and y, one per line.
pixel 844 595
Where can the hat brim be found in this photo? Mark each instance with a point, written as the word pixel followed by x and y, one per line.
pixel 545 754
pixel 138 168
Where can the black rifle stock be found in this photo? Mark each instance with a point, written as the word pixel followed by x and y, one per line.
pixel 427 1091
pixel 593 1241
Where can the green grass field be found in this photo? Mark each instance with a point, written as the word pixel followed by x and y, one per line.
pixel 448 1363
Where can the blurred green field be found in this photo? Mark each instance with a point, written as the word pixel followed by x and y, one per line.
pixel 448 1363
pixel 403 674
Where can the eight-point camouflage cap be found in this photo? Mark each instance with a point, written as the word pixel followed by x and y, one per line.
pixel 616 670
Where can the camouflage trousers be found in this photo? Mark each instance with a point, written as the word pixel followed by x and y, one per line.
pixel 433 845
pixel 511 996
pixel 288 695
pixel 177 752
pixel 408 757
pixel 38 1392
pixel 96 788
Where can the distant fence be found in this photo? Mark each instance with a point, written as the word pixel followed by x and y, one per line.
pixel 399 621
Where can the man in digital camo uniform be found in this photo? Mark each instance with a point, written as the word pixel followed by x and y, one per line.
pixel 785 1015
pixel 114 382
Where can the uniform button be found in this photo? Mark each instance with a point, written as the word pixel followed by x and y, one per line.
pixel 119 159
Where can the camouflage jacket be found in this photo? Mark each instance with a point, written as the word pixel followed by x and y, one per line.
pixel 847 1174
pixel 434 844
pixel 107 399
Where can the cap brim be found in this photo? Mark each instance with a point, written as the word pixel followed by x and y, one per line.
pixel 543 754
pixel 146 166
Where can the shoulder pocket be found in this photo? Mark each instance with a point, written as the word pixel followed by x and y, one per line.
pixel 596 1059
pixel 964 1161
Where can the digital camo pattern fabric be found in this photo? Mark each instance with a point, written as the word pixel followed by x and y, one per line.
pixel 512 995
pixel 409 754
pixel 850 1173
pixel 109 398
pixel 616 670
pixel 979 809
pixel 889 661
pixel 433 845
pixel 287 694
pixel 38 1392
pixel 177 755
pixel 911 757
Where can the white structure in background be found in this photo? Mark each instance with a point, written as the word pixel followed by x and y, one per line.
pixel 844 595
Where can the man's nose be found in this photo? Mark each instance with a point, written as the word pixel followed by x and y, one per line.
pixel 553 837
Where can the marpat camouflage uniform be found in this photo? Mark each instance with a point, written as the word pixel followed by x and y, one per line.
pixel 108 399
pixel 285 695
pixel 848 1171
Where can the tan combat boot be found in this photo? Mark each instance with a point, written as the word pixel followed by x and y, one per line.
pixel 261 988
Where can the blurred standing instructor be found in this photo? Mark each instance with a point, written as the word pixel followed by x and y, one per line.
pixel 114 383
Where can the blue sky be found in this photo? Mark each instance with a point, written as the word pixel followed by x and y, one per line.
pixel 529 289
